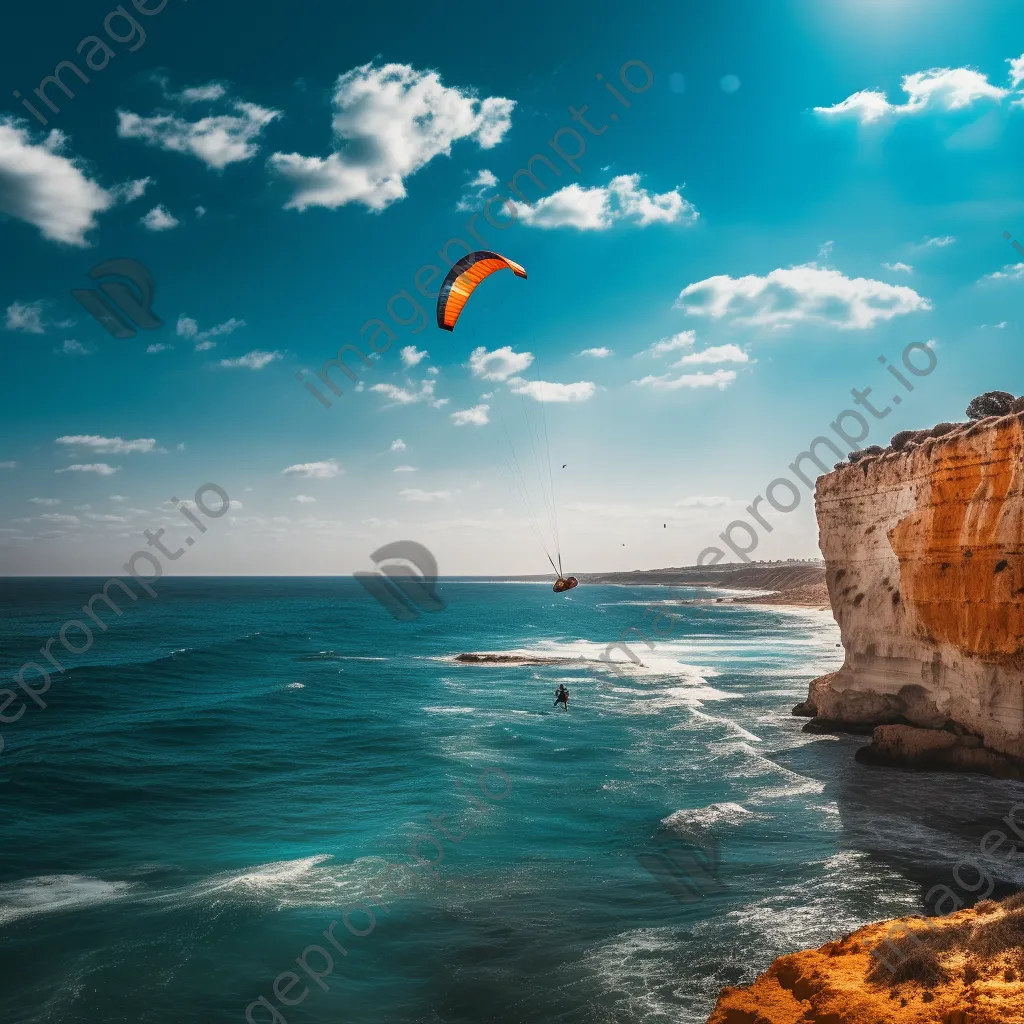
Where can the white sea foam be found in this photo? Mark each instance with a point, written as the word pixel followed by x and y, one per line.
pixel 729 813
pixel 295 686
pixel 438 709
pixel 48 894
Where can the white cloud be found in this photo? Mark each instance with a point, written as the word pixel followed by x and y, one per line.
pixel 151 349
pixel 388 123
pixel 825 250
pixel 599 207
pixel 200 212
pixel 398 445
pixel 720 379
pixel 45 501
pixel 407 396
pixel 99 518
pixel 475 190
pixel 704 501
pixel 412 357
pixel 314 470
pixel 806 293
pixel 254 360
pixel 684 339
pixel 202 93
pixel 129 191
pixel 598 353
pixel 159 219
pixel 56 517
pixel 189 329
pixel 477 416
pixel 904 268
pixel 46 189
pixel 8 465
pixel 546 391
pixel 716 354
pixel 217 140
pixel 74 348
pixel 500 364
pixel 1016 70
pixel 25 316
pixel 100 468
pixel 303 499
pixel 939 243
pixel 415 494
pixel 118 497
pixel 1011 272
pixel 404 469
pixel 941 89
pixel 109 445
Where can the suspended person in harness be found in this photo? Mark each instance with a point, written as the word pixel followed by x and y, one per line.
pixel 562 697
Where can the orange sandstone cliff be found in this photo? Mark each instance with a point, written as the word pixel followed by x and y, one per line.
pixel 962 969
pixel 924 559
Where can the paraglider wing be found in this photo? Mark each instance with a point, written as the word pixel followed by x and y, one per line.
pixel 462 280
pixel 562 584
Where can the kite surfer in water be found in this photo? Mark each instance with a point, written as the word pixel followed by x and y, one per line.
pixel 562 697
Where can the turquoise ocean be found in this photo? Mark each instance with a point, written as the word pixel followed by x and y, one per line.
pixel 239 763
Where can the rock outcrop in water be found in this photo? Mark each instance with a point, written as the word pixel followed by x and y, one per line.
pixel 924 558
pixel 963 969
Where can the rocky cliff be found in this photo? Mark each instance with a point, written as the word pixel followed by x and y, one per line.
pixel 962 969
pixel 924 560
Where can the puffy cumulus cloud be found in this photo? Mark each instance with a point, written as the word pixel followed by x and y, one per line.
pixel 477 416
pixel 547 391
pixel 159 219
pixel 254 360
pixel 415 494
pixel 404 469
pixel 1011 272
pixel 74 348
pixel 159 347
pixel 411 356
pixel 716 354
pixel 398 445
pixel 500 364
pixel 100 468
pixel 45 188
pixel 1016 70
pixel 217 140
pixel 409 396
pixel 599 207
pixel 45 501
pixel 682 340
pixel 598 353
pixel 314 470
pixel 720 379
pixel 942 89
pixel 109 445
pixel 794 295
pixel 25 316
pixel 475 190
pixel 304 499
pixel 903 268
pixel 388 123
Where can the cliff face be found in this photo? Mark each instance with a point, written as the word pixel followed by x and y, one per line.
pixel 924 557
pixel 962 969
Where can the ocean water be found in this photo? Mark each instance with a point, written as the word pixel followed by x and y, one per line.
pixel 234 765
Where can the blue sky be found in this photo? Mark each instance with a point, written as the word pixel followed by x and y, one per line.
pixel 802 188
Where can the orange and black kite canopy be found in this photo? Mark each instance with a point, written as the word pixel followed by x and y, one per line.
pixel 463 278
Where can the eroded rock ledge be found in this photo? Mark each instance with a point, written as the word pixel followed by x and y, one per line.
pixel 924 563
pixel 962 969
